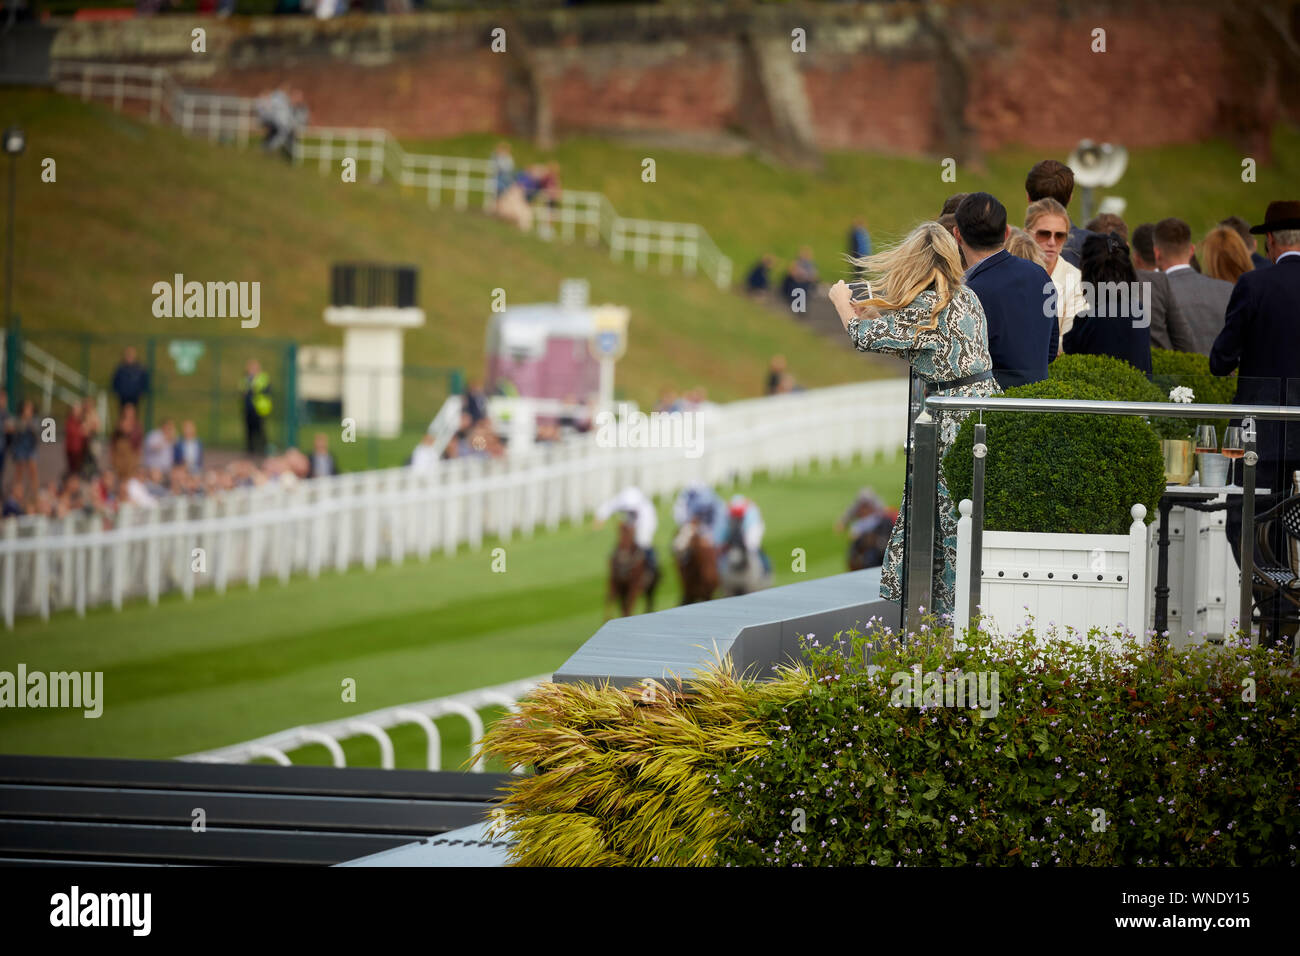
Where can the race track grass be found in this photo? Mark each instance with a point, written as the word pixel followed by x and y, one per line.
pixel 184 677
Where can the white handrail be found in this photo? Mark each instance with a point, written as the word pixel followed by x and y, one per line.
pixel 375 724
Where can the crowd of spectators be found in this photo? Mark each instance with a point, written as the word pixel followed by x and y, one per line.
pixel 801 276
pixel 477 436
pixel 105 468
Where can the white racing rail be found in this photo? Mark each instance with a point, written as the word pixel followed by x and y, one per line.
pixel 183 544
pixel 375 724
pixel 676 245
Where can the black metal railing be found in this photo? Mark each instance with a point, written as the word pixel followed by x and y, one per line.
pixel 920 540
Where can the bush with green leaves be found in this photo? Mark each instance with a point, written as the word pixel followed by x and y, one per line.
pixel 1091 757
pixel 1121 382
pixel 1075 474
pixel 1082 751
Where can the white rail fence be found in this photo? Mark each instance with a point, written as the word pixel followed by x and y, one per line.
pixel 376 725
pixel 185 544
pixel 675 245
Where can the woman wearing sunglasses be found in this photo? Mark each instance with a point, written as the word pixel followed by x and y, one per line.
pixel 1048 224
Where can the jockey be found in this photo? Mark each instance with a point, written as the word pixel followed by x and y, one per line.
pixel 697 506
pixel 866 514
pixel 639 511
pixel 744 522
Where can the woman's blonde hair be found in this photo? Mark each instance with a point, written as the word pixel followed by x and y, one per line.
pixel 1020 243
pixel 1224 255
pixel 926 259
pixel 1047 206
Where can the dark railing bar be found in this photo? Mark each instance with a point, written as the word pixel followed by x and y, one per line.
pixel 980 451
pixel 920 520
pixel 1249 460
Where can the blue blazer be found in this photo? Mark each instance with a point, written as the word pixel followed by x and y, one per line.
pixel 1023 331
pixel 1261 342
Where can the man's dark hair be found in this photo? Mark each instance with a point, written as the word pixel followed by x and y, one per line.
pixel 1240 226
pixel 1172 235
pixel 1143 240
pixel 952 202
pixel 1108 222
pixel 1050 178
pixel 982 221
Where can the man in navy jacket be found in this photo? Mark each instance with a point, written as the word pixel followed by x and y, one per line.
pixel 1017 295
pixel 1261 341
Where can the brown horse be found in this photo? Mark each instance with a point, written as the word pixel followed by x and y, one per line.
pixel 630 575
pixel 697 562
pixel 867 550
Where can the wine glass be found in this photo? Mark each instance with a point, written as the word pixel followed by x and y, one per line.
pixel 1207 440
pixel 1234 447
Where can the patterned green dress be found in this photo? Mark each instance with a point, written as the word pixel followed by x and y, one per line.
pixel 957 347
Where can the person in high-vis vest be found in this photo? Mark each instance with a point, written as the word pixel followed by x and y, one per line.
pixel 257 407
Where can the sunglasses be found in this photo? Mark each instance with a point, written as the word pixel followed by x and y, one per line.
pixel 1042 235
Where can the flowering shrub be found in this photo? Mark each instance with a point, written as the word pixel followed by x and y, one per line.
pixel 1143 757
pixel 1089 751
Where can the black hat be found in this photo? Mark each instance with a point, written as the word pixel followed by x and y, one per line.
pixel 1282 214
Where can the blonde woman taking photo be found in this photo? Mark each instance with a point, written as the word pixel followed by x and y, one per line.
pixel 919 310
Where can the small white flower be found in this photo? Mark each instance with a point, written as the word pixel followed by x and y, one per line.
pixel 1182 395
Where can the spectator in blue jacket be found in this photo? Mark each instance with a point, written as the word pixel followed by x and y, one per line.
pixel 1017 295
pixel 189 450
pixel 130 379
pixel 859 242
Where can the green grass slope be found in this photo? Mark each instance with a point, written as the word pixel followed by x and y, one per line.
pixel 750 206
pixel 134 204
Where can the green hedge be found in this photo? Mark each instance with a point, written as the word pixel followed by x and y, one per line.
pixel 1193 370
pixel 1145 757
pixel 1119 380
pixel 1078 474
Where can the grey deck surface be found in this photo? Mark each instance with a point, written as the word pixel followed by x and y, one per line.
pixel 757 630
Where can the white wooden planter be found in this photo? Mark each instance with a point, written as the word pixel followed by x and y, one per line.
pixel 1074 580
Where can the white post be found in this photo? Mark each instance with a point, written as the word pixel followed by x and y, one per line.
pixel 117 555
pixel 152 566
pixel 41 556
pixel 370 500
pixel 67 571
pixel 1135 619
pixel 220 557
pixel 11 559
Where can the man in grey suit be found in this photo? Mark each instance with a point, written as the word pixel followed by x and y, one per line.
pixel 1202 301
